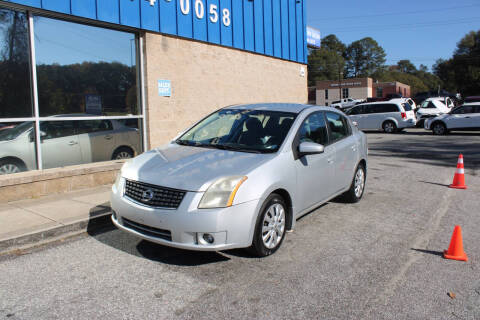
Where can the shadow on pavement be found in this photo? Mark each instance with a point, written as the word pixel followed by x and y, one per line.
pixel 436 253
pixel 103 230
pixel 435 183
pixel 438 152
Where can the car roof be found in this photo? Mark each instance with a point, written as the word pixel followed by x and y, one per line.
pixel 383 102
pixel 471 103
pixel 282 107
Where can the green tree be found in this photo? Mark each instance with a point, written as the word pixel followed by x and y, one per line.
pixel 406 66
pixel 364 57
pixel 461 73
pixel 327 62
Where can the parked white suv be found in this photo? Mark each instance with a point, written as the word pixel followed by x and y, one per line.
pixel 345 103
pixel 430 108
pixel 386 115
pixel 466 117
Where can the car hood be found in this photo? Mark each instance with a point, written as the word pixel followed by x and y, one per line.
pixel 190 168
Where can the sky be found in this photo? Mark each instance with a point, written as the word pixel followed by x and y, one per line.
pixel 419 30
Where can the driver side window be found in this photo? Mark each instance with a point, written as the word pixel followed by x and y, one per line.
pixel 314 129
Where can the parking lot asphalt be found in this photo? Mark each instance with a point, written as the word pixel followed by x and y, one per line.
pixel 377 259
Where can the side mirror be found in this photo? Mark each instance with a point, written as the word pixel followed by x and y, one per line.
pixel 306 148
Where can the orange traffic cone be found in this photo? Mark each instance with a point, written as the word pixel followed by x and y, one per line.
pixel 459 177
pixel 455 250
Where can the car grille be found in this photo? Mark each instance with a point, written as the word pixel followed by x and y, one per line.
pixel 146 230
pixel 153 196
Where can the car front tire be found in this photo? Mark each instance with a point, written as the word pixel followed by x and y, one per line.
pixel 439 129
pixel 270 228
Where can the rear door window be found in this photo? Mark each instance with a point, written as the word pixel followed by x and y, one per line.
pixel 407 107
pixel 356 110
pixel 338 127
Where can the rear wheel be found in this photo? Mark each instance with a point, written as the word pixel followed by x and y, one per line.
pixel 9 166
pixel 122 153
pixel 270 227
pixel 438 128
pixel 355 193
pixel 389 127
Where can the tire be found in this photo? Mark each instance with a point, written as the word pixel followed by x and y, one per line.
pixel 274 214
pixel 389 127
pixel 8 166
pixel 122 153
pixel 355 193
pixel 439 129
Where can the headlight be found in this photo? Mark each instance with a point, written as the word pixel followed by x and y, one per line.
pixel 221 193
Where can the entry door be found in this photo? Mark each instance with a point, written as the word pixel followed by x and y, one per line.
pixel 316 172
pixel 345 150
pixel 59 144
pixel 462 117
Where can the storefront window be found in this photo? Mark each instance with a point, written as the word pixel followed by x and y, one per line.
pixel 73 142
pixel 85 70
pixel 88 109
pixel 15 89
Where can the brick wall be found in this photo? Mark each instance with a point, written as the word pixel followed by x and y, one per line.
pixel 206 77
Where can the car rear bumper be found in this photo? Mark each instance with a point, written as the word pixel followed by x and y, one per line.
pixel 184 227
pixel 408 123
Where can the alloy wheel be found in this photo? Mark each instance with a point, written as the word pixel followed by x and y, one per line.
pixel 9 168
pixel 359 183
pixel 123 155
pixel 389 127
pixel 273 226
pixel 439 129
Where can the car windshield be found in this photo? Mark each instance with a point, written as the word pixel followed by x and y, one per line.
pixel 13 133
pixel 256 131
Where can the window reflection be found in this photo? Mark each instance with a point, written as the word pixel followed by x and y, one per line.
pixel 85 69
pixel 15 97
pixel 17 151
pixel 74 142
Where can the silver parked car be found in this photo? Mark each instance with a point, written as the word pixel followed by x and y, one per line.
pixel 241 177
pixel 66 143
pixel 389 116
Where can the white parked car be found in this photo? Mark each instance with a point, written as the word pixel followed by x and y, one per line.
pixel 430 108
pixel 465 117
pixel 345 103
pixel 66 143
pixel 389 116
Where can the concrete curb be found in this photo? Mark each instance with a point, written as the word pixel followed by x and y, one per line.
pixel 52 234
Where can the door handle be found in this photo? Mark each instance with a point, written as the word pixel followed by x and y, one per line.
pixel 108 137
pixel 354 148
pixel 71 143
pixel 467 117
pixel 330 160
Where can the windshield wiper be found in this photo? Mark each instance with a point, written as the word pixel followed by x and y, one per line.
pixel 236 148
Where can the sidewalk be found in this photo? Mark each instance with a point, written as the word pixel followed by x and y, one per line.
pixel 31 221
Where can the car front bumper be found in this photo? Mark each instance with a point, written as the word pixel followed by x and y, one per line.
pixel 185 226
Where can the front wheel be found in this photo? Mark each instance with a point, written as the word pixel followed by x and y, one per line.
pixel 355 193
pixel 439 129
pixel 270 227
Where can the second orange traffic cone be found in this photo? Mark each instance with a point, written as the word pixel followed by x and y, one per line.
pixel 459 177
pixel 455 250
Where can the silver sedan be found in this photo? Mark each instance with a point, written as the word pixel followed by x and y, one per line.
pixel 241 177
